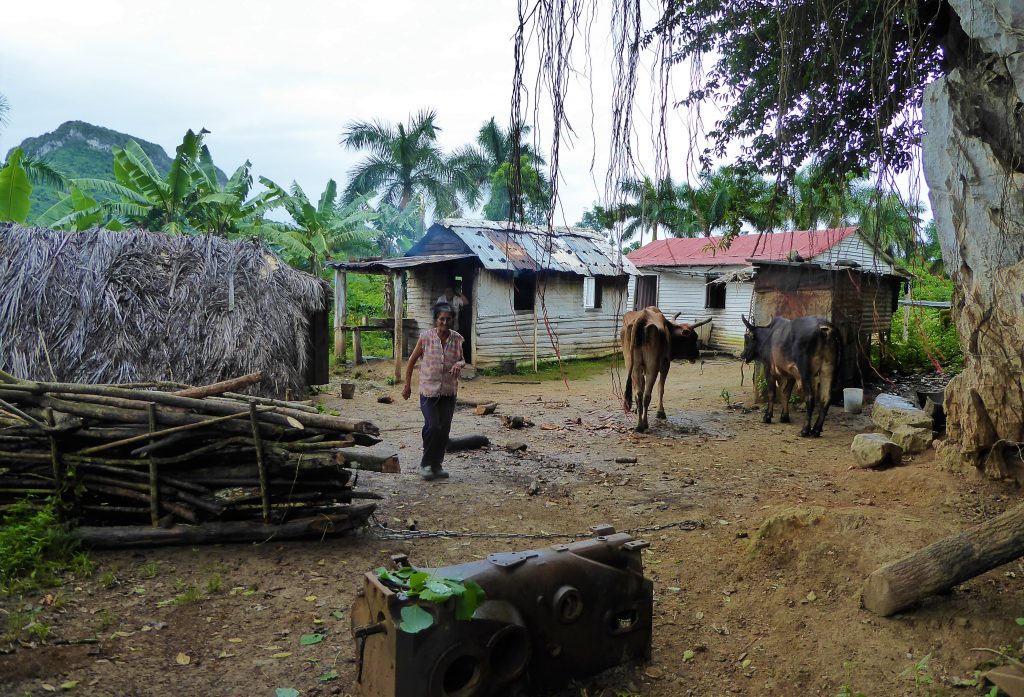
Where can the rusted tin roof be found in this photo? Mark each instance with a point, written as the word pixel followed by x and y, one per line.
pixel 390 263
pixel 504 246
pixel 707 251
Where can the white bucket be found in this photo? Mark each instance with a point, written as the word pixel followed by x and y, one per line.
pixel 853 400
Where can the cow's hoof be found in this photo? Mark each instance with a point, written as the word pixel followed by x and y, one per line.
pixel 815 433
pixel 660 415
pixel 767 419
pixel 784 419
pixel 805 433
pixel 639 429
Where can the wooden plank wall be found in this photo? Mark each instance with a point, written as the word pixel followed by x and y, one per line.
pixel 503 334
pixel 686 294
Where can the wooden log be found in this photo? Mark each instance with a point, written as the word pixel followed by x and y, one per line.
pixel 228 531
pixel 360 460
pixel 470 442
pixel 122 492
pixel 945 563
pixel 465 402
pixel 223 386
pixel 261 466
pixel 305 405
pixel 357 346
pixel 485 409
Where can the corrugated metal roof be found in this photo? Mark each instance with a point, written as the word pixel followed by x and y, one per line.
pixel 704 251
pixel 389 263
pixel 504 246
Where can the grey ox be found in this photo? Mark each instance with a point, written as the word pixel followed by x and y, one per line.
pixel 805 349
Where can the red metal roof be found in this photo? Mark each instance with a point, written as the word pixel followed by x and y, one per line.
pixel 704 251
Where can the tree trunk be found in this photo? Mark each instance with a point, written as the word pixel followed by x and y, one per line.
pixel 943 564
pixel 973 143
pixel 222 387
pixel 470 442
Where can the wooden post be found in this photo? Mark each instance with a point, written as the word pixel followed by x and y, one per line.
pixel 261 465
pixel 536 328
pixel 154 488
pixel 340 311
pixel 906 316
pixel 357 346
pixel 399 336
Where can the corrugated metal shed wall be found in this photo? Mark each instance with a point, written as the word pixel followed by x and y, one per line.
pixel 503 334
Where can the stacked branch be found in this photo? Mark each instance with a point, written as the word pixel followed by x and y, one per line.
pixel 115 455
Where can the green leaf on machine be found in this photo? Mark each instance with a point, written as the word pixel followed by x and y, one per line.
pixel 467 602
pixel 310 639
pixel 415 619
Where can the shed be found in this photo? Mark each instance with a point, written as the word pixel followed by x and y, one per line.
pixel 134 306
pixel 835 273
pixel 534 294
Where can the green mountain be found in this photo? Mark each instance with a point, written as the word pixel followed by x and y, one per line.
pixel 81 150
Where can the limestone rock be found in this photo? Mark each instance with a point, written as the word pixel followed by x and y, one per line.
pixel 875 450
pixel 468 372
pixel 973 140
pixel 891 412
pixel 912 440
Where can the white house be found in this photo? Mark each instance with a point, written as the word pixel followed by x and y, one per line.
pixel 700 278
pixel 534 295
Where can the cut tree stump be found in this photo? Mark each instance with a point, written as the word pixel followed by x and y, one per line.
pixel 943 564
pixel 470 442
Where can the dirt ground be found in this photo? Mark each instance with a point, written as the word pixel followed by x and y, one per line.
pixel 761 600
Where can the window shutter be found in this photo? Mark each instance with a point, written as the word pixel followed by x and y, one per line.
pixel 589 292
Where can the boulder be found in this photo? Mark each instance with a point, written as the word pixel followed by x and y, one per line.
pixel 913 440
pixel 468 372
pixel 875 450
pixel 890 412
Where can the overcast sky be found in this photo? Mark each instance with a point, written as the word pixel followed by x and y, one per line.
pixel 276 83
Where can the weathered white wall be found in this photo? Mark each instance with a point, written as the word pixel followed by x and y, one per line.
pixel 685 293
pixel 854 248
pixel 503 334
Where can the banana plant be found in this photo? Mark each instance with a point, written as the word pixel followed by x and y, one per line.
pixel 317 233
pixel 15 189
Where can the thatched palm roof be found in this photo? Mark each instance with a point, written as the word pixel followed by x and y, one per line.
pixel 102 306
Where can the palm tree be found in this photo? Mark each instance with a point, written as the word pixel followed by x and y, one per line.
pixel 888 221
pixel 653 205
pixel 4 108
pixel 329 229
pixel 486 167
pixel 404 163
pixel 724 201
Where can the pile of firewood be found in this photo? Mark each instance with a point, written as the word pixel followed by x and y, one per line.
pixel 147 458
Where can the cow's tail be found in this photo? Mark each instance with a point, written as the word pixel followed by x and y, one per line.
pixel 628 397
pixel 830 337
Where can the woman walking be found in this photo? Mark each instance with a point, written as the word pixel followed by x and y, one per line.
pixel 441 350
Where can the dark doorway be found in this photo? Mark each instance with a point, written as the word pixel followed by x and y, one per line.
pixel 646 292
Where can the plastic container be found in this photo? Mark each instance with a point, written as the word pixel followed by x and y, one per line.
pixel 853 400
pixel 348 390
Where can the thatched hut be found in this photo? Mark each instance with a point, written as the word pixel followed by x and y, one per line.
pixel 122 307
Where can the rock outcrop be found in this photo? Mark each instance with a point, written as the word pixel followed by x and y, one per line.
pixel 974 165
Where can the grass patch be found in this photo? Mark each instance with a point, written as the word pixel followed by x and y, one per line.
pixel 35 550
pixel 575 369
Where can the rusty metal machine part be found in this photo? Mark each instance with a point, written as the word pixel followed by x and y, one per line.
pixel 551 615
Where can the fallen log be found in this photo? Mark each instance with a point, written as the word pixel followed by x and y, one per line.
pixel 355 459
pixel 465 402
pixel 485 409
pixel 223 386
pixel 470 442
pixel 228 531
pixel 943 564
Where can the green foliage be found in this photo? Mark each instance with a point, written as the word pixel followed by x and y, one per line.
pixel 840 81
pixel 533 199
pixel 411 583
pixel 845 690
pixel 34 547
pixel 330 229
pixel 918 673
pixel 931 338
pixel 726 396
pixel 15 189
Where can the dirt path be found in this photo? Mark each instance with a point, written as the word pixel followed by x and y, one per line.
pixel 765 595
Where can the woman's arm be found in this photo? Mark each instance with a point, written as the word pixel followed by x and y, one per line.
pixel 416 353
pixel 461 358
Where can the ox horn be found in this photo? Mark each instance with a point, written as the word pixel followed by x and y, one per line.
pixel 746 322
pixel 676 316
pixel 701 323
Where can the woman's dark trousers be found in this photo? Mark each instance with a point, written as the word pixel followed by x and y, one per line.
pixel 437 424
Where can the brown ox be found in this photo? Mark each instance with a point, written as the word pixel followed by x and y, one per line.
pixel 649 344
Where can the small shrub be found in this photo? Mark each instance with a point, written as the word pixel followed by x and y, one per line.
pixel 215 584
pixel 149 570
pixel 931 336
pixel 34 548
